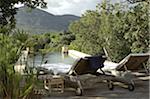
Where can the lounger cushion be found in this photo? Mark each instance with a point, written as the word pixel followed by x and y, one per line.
pixel 96 62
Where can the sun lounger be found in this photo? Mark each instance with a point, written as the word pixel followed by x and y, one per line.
pixel 133 62
pixel 123 71
pixel 88 65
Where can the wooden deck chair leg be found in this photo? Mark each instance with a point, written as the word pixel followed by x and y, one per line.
pixel 146 70
pixel 78 81
pixel 79 90
pixel 79 84
pixel 46 85
pixel 125 67
pixel 62 88
pixel 49 86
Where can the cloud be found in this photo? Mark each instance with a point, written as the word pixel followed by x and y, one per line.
pixel 75 7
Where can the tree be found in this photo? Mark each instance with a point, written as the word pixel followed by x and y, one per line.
pixel 138 27
pixel 119 31
pixel 86 31
pixel 136 1
pixel 66 38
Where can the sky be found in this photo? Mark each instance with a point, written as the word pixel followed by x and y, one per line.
pixel 74 7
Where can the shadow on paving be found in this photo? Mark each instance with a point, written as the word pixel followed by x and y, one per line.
pixel 100 91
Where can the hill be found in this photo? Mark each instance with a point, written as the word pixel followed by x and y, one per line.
pixel 39 21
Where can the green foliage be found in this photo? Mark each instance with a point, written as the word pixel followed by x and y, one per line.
pixel 9 80
pixel 136 1
pixel 66 38
pixel 20 35
pixel 116 27
pixel 86 31
pixel 13 85
pixel 49 42
pixel 138 33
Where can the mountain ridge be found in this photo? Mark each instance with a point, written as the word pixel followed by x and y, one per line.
pixel 39 21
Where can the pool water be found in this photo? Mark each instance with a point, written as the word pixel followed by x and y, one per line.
pixel 57 62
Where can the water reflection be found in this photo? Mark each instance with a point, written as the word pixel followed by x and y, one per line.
pixel 57 62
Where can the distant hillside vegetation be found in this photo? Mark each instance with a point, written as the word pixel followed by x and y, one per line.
pixel 39 21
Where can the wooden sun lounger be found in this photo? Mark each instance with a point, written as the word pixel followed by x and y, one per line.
pixel 133 62
pixel 89 65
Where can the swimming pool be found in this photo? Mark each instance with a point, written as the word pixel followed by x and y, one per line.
pixel 55 61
